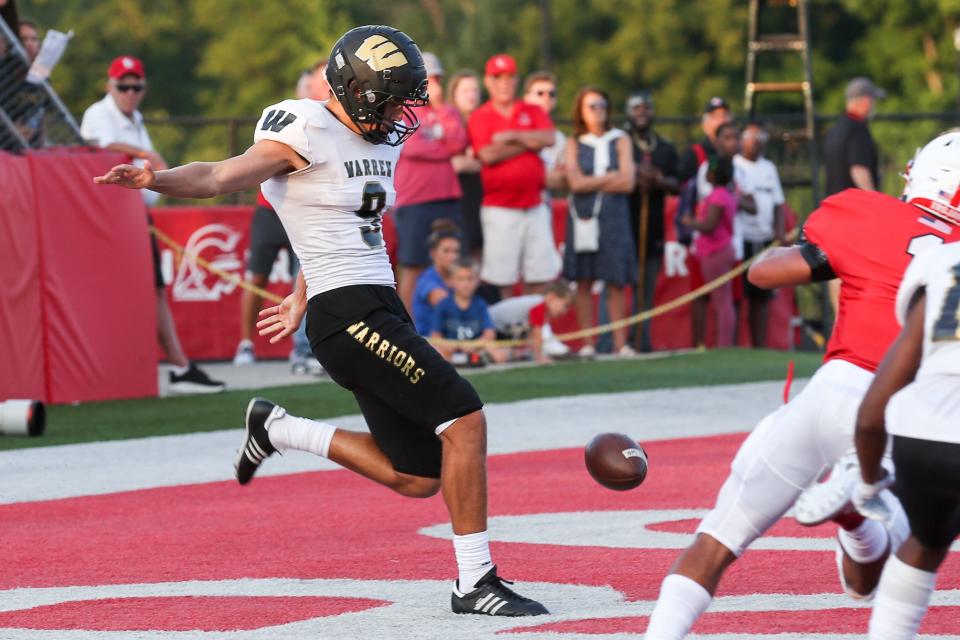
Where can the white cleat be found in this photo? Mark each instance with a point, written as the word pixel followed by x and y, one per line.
pixel 825 500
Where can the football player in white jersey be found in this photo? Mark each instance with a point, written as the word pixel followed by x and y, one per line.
pixel 327 168
pixel 915 397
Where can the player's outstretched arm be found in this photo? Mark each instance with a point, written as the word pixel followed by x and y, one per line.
pixel 265 159
pixel 780 267
pixel 897 370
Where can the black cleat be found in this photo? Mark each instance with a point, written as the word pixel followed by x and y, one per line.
pixel 492 597
pixel 256 443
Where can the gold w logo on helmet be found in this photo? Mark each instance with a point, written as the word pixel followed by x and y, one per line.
pixel 381 53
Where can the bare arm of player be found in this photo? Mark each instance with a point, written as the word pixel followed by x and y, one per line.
pixel 862 177
pixel 897 369
pixel 780 267
pixel 265 159
pixel 285 318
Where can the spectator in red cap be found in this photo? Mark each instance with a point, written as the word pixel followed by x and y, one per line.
pixel 116 124
pixel 507 135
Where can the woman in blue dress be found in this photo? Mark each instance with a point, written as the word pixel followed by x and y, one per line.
pixel 599 246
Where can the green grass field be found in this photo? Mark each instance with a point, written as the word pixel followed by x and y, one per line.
pixel 123 419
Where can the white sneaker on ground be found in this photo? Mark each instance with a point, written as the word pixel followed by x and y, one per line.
pixel 587 351
pixel 825 500
pixel 244 355
pixel 626 351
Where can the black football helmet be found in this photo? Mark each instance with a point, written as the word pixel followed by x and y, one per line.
pixel 371 67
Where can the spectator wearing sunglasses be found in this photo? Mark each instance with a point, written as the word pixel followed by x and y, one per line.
pixel 540 88
pixel 115 123
pixel 599 245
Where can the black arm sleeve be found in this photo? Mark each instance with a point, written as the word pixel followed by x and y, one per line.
pixel 816 258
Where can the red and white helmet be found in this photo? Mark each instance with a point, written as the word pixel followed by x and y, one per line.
pixel 933 178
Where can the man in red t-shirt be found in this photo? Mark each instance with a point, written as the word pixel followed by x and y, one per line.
pixel 866 239
pixel 507 136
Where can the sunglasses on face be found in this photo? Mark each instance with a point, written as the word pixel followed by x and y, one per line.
pixel 551 93
pixel 125 88
pixel 597 106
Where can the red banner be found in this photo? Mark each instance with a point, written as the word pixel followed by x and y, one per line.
pixel 206 308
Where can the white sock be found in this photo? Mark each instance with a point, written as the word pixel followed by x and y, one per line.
pixel 179 371
pixel 290 432
pixel 866 543
pixel 473 559
pixel 680 603
pixel 902 599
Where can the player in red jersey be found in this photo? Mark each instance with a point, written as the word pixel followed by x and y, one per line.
pixel 866 239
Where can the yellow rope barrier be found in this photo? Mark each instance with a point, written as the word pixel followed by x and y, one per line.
pixel 676 303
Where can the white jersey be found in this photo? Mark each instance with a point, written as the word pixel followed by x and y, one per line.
pixel 929 407
pixel 938 272
pixel 332 208
pixel 760 179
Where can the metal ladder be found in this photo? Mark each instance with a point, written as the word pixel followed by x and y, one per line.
pixel 799 42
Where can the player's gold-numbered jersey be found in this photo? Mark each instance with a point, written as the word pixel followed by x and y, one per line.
pixel 937 271
pixel 332 208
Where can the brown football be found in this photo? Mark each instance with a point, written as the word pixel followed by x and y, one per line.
pixel 616 461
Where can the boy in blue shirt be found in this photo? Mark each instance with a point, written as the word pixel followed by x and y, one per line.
pixel 464 316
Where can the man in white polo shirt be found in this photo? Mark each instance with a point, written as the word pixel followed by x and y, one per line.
pixel 114 123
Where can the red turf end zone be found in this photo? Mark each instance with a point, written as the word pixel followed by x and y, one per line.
pixel 189 613
pixel 939 620
pixel 191 533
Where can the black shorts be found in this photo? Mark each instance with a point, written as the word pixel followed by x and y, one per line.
pixel 267 237
pixel 158 282
pixel 366 342
pixel 928 485
pixel 751 291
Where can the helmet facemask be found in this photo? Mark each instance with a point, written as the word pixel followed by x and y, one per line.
pixel 371 114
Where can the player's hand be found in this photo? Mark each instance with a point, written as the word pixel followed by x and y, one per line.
pixel 284 319
pixel 868 501
pixel 129 176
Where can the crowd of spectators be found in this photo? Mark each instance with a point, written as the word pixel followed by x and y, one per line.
pixel 474 221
